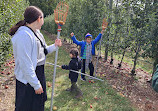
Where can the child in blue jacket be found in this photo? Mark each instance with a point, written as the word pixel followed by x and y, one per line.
pixel 87 51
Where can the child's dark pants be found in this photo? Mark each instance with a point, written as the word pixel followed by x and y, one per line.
pixel 90 66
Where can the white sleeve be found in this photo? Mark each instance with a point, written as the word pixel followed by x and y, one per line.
pixel 51 48
pixel 24 48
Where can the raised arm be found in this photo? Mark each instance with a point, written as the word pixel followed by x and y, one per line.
pixel 97 38
pixel 104 26
pixel 75 40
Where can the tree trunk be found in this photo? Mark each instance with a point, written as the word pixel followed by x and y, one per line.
pixel 111 62
pixel 106 49
pixel 100 53
pixel 107 44
pixel 112 49
pixel 119 65
pixel 135 60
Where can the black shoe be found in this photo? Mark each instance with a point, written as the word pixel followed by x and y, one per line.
pixel 83 79
pixel 91 77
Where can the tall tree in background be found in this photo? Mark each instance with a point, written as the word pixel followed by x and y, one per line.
pixel 132 25
pixel 109 22
pixel 151 46
pixel 47 6
pixel 85 16
pixel 125 32
pixel 138 29
pixel 115 27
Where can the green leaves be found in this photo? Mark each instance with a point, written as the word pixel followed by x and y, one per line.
pixel 132 23
pixel 83 17
pixel 10 13
pixel 18 0
pixel 47 6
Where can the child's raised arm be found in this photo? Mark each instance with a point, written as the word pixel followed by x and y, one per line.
pixel 75 40
pixel 104 26
pixel 72 34
pixel 97 38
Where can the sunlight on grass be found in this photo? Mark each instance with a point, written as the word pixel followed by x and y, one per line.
pixel 99 94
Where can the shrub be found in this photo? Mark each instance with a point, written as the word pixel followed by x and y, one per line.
pixel 11 11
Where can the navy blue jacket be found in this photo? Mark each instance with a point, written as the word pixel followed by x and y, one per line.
pixel 75 64
pixel 83 43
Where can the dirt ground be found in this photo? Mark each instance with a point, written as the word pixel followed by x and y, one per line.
pixel 137 90
pixel 7 86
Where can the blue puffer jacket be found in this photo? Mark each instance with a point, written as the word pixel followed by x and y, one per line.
pixel 83 43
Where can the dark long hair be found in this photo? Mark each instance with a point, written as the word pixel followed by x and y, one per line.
pixel 31 14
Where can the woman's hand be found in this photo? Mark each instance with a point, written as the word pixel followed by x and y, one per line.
pixel 39 91
pixel 72 34
pixel 58 42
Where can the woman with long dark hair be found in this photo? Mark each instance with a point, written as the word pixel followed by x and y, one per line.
pixel 30 50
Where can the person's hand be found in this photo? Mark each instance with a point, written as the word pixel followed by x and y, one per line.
pixel 72 34
pixel 39 91
pixel 104 24
pixel 102 32
pixel 58 42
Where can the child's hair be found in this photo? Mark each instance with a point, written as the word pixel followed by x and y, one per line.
pixel 74 52
pixel 31 14
pixel 88 35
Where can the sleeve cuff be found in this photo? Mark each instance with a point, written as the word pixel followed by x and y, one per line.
pixel 51 48
pixel 37 86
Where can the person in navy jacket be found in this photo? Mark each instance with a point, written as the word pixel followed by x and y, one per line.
pixel 87 51
pixel 74 64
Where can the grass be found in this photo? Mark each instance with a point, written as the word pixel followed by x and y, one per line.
pixel 108 98
pixel 143 63
pixel 146 66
